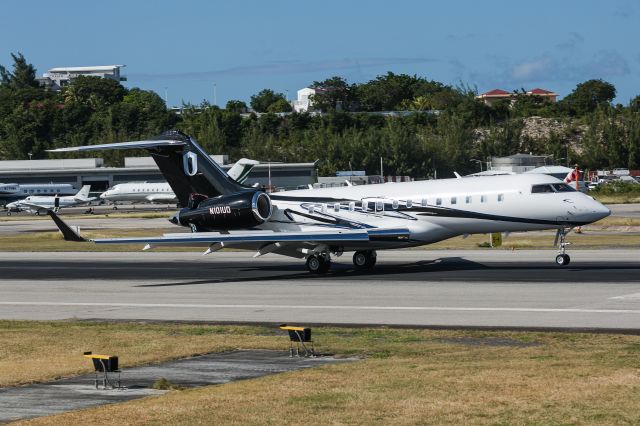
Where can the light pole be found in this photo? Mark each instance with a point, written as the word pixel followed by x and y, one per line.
pixel 215 95
pixel 30 154
pixel 475 160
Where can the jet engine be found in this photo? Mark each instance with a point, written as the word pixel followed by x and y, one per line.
pixel 235 211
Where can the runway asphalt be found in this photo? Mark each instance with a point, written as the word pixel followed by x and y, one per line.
pixel 599 289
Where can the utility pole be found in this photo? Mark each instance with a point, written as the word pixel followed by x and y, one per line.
pixel 381 169
pixel 166 96
pixel 215 95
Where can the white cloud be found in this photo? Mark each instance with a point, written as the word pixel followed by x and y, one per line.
pixel 534 69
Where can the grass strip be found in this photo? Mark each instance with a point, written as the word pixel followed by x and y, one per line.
pixel 407 377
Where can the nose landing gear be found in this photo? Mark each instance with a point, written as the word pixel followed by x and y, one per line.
pixel 562 259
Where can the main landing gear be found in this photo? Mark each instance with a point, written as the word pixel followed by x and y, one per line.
pixel 364 259
pixel 320 263
pixel 562 259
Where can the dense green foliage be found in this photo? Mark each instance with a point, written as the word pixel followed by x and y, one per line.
pixel 445 129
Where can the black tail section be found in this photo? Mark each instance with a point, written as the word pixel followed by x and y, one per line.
pixel 188 169
pixel 185 165
pixel 67 233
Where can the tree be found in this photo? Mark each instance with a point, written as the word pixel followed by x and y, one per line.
pixel 588 96
pixel 236 106
pixel 387 92
pixel 264 99
pixel 280 105
pixel 23 75
pixel 634 104
pixel 333 94
pixel 94 92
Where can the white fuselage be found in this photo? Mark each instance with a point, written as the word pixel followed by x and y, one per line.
pixel 140 192
pixel 12 191
pixel 439 209
pixel 35 203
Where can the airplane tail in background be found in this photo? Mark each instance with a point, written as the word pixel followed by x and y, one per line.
pixel 83 194
pixel 240 171
pixel 185 165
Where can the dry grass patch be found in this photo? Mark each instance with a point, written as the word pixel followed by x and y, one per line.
pixel 53 241
pixel 616 198
pixel 115 214
pixel 540 241
pixel 38 351
pixel 409 377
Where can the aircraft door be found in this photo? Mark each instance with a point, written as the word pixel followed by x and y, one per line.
pixel 56 202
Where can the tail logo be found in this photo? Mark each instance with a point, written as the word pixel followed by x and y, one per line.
pixel 190 163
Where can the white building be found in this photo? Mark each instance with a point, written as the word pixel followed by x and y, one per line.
pixel 303 102
pixel 56 78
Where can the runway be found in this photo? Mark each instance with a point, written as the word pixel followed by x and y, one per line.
pixel 599 289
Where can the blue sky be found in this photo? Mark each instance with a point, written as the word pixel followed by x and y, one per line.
pixel 245 46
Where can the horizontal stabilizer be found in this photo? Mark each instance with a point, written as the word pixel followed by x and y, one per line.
pixel 120 145
pixel 67 233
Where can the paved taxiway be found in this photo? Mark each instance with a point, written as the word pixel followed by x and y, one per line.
pixel 600 289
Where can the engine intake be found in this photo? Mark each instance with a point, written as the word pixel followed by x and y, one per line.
pixel 235 211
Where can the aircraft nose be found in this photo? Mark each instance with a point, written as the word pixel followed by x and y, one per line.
pixel 602 211
pixel 595 211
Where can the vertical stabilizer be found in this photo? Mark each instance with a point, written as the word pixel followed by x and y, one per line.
pixel 83 194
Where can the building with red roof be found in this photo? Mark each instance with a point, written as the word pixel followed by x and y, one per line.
pixel 495 95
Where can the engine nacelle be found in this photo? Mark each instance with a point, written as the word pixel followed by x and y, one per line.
pixel 235 211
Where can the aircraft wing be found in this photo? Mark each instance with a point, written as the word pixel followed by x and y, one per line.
pixel 288 243
pixel 119 145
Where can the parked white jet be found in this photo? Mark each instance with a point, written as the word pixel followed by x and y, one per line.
pixel 13 191
pixel 315 224
pixel 160 192
pixel 36 203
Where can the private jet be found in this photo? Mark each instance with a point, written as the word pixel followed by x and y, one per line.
pixel 35 204
pixel 316 224
pixel 13 191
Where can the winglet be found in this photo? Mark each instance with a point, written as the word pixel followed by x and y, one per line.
pixel 68 233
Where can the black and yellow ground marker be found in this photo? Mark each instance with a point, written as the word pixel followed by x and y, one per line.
pixel 302 337
pixel 106 370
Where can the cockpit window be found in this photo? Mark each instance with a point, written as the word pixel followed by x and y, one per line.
pixel 538 189
pixel 562 187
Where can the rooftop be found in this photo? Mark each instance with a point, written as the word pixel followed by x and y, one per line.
pixel 86 69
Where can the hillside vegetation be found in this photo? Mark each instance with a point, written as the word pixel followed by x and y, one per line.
pixel 447 126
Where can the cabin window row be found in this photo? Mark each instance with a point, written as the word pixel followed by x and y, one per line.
pixel 379 205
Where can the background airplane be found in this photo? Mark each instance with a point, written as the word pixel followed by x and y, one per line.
pixel 36 203
pixel 161 192
pixel 13 191
pixel 315 224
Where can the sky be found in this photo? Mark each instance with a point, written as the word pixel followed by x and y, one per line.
pixel 190 51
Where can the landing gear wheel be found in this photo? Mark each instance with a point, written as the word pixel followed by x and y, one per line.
pixel 318 264
pixel 326 265
pixel 37 213
pixel 563 259
pixel 364 259
pixel 8 213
